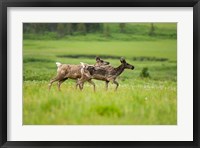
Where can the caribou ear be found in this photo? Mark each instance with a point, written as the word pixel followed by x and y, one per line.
pixel 122 60
pixel 97 58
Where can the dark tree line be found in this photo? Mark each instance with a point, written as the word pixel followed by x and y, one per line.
pixel 63 29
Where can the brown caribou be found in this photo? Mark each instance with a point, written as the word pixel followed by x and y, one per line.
pixel 103 73
pixel 68 71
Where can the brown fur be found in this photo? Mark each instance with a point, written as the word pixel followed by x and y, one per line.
pixel 65 71
pixel 104 73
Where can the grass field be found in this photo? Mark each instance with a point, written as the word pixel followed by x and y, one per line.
pixel 138 101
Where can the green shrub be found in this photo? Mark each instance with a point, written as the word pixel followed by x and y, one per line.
pixel 109 111
pixel 145 73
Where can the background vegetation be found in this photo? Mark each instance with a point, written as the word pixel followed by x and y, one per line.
pixel 146 95
pixel 99 31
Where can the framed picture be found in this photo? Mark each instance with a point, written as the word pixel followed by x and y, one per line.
pixel 100 74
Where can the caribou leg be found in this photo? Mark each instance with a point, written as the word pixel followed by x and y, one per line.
pixel 117 84
pixel 60 82
pixel 91 82
pixel 107 85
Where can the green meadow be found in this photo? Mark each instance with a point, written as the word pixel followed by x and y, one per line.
pixel 146 95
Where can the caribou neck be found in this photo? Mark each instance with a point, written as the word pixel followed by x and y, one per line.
pixel 119 69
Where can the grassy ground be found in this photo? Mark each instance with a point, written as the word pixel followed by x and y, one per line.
pixel 138 100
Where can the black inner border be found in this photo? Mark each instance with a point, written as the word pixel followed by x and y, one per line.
pixel 98 3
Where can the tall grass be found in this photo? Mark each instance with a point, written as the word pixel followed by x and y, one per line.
pixel 140 102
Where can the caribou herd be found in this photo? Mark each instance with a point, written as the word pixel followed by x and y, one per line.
pixel 101 70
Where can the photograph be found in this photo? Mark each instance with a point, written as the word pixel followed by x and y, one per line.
pixel 101 73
